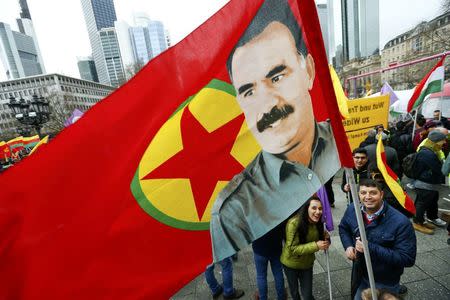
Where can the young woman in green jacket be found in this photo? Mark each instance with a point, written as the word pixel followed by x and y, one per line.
pixel 304 236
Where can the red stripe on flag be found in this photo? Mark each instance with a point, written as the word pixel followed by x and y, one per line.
pixel 419 88
pixel 393 181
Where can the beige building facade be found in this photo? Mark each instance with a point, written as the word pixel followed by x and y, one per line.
pixel 63 92
pixel 425 39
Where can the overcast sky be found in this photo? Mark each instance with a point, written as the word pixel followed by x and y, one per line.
pixel 62 33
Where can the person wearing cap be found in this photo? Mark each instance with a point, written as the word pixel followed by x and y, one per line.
pixel 391 154
pixel 428 165
pixel 441 154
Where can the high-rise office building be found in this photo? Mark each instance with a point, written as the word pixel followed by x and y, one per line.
pixel 123 33
pixel 350 29
pixel 18 54
pixel 325 19
pixel 24 11
pixel 19 51
pixel 86 67
pixel 149 38
pixel 339 57
pixel 111 52
pixel 360 28
pixel 330 9
pixel 141 42
pixel 158 41
pixel 369 27
pixel 99 14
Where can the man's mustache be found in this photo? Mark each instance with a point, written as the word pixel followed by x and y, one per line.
pixel 274 115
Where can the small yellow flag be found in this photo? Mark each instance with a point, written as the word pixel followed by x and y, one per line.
pixel 43 141
pixel 340 95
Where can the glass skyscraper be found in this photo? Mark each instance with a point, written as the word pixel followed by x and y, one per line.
pixel 86 67
pixel 360 28
pixel 99 14
pixel 142 42
pixel 111 52
pixel 158 42
pixel 19 51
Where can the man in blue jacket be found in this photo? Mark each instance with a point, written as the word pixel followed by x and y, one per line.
pixel 390 235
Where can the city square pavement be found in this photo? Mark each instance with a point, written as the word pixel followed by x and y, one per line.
pixel 429 278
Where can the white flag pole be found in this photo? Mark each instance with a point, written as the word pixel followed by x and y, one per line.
pixel 362 231
pixel 327 254
pixel 414 125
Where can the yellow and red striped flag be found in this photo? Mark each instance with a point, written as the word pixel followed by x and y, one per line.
pixel 30 142
pixel 392 180
pixel 41 142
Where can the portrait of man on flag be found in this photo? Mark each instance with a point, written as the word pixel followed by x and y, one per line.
pixel 274 76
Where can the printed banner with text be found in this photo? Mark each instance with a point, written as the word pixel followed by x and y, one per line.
pixel 365 114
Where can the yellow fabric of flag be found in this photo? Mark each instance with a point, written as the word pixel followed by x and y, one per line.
pixel 340 95
pixel 392 179
pixel 41 142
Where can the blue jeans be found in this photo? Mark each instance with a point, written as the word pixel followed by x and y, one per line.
pixel 261 263
pixel 365 285
pixel 227 277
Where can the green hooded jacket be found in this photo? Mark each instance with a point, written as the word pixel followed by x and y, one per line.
pixel 294 254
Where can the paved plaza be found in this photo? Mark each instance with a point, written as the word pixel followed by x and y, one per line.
pixel 429 278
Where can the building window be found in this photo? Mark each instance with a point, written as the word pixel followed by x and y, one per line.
pixel 417 44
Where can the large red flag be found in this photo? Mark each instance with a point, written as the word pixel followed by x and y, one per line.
pixel 117 206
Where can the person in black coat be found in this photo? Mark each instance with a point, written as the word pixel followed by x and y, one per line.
pixel 428 167
pixel 391 155
pixel 359 171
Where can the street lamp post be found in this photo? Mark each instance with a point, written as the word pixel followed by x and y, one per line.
pixel 34 112
pixel 25 130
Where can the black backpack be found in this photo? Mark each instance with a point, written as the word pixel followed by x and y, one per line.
pixel 408 165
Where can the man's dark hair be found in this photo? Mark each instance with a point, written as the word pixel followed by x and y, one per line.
pixel 271 11
pixel 374 173
pixel 400 125
pixel 421 121
pixel 359 150
pixel 379 126
pixel 368 182
pixel 437 110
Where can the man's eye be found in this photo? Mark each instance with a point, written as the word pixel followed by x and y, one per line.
pixel 248 93
pixel 277 78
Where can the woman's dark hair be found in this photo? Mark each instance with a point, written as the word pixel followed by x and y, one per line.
pixel 304 222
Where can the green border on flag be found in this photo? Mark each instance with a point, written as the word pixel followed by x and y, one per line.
pixel 142 199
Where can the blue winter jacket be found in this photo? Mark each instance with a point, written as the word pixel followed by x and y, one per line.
pixel 391 239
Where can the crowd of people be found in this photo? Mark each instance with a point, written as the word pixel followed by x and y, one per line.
pixel 291 246
pixel 16 157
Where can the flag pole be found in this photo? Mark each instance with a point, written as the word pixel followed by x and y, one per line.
pixel 327 255
pixel 414 125
pixel 362 231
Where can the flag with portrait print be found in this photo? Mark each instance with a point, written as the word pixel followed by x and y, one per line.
pixel 123 197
